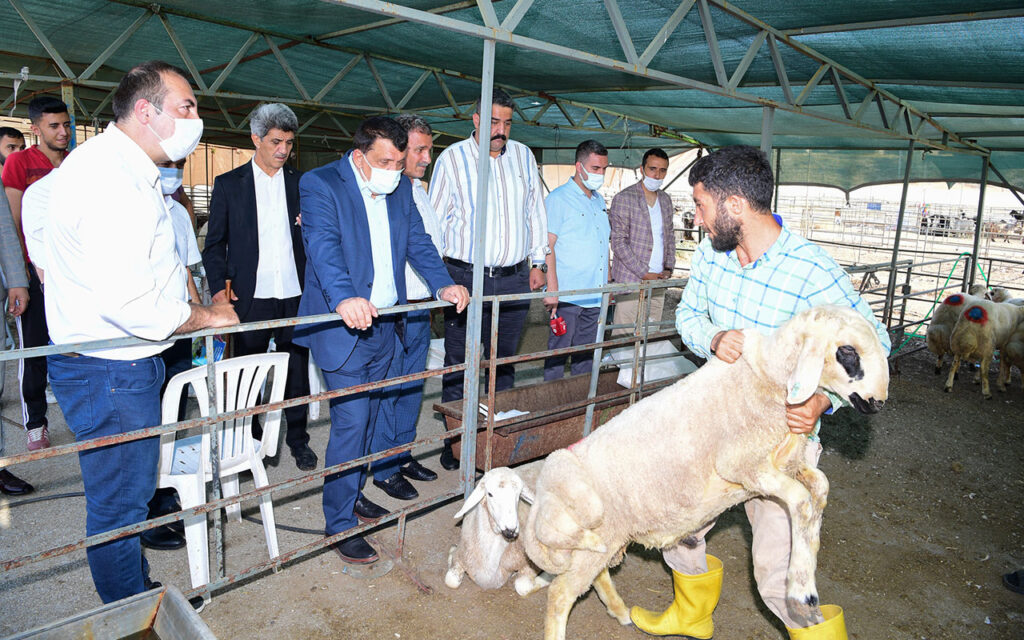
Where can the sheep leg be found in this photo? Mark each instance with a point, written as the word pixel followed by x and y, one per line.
pixel 986 362
pixel 1004 373
pixel 605 589
pixel 527 581
pixel 453 577
pixel 952 372
pixel 566 588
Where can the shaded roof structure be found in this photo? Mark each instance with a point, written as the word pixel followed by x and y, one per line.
pixel 843 89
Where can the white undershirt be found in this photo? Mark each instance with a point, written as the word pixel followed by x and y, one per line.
pixel 383 293
pixel 657 263
pixel 276 276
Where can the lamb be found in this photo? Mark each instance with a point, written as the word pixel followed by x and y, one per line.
pixel 1011 355
pixel 983 327
pixel 489 548
pixel 944 319
pixel 659 471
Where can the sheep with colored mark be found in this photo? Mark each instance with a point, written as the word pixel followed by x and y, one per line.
pixel 983 328
pixel 944 319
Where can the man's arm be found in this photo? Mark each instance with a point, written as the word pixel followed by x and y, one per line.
pixel 216 315
pixel 551 302
pixel 12 262
pixel 622 248
pixel 668 233
pixel 536 214
pixel 215 252
pixel 321 233
pixel 693 316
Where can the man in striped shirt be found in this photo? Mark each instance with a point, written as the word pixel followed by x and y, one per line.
pixel 514 249
pixel 749 273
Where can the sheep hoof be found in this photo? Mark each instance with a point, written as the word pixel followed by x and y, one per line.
pixel 948 389
pixel 453 578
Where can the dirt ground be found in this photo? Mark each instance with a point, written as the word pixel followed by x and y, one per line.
pixel 924 516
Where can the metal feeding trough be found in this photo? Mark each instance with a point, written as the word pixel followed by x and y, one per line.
pixel 557 412
pixel 160 614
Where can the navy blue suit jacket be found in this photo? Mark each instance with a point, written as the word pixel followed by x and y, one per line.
pixel 339 262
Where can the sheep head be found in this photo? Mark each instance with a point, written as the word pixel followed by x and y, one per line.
pixel 500 490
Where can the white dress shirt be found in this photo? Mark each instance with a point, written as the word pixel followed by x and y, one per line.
pixel 185 244
pixel 276 276
pixel 516 220
pixel 33 217
pixel 383 293
pixel 657 263
pixel 416 287
pixel 111 267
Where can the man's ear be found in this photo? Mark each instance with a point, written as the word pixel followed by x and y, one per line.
pixel 735 205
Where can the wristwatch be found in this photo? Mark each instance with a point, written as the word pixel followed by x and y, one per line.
pixel 543 266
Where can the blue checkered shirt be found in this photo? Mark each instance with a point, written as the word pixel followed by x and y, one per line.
pixel 793 275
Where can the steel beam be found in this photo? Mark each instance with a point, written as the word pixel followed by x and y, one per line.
pixel 780 70
pixel 234 62
pixel 183 52
pixel 412 90
pixel 767 129
pixel 712 40
pixel 909 21
pixel 43 40
pixel 977 224
pixel 287 68
pixel 621 31
pixel 666 30
pixel 115 45
pixel 514 16
pixel 741 68
pixel 380 83
pixel 487 13
pixel 891 287
pixel 448 8
pixel 812 83
pixel 337 78
pixel 837 82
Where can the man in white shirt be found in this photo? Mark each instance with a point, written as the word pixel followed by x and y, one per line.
pixel 399 411
pixel 112 272
pixel 516 244
pixel 254 247
pixel 643 240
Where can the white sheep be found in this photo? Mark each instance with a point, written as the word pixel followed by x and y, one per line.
pixel 489 548
pixel 983 327
pixel 659 471
pixel 944 319
pixel 1011 355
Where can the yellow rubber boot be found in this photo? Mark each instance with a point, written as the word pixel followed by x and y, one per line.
pixel 689 615
pixel 834 627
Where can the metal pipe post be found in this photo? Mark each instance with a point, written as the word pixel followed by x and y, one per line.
pixel 767 129
pixel 891 288
pixel 778 179
pixel 977 223
pixel 595 367
pixel 471 385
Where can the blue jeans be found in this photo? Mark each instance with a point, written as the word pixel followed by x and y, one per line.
pixel 400 405
pixel 352 418
pixel 99 398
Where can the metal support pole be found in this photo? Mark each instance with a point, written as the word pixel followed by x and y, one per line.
pixel 977 223
pixel 211 432
pixel 595 368
pixel 767 129
pixel 471 385
pixel 778 179
pixel 891 287
pixel 68 93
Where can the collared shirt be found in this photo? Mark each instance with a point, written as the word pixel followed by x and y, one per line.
pixel 276 276
pixel 33 217
pixel 111 267
pixel 416 287
pixel 185 244
pixel 383 293
pixel 580 221
pixel 516 221
pixel 657 262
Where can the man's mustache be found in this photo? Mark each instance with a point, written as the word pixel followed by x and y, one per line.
pixel 500 137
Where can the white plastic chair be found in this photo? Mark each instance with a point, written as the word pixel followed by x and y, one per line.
pixel 185 462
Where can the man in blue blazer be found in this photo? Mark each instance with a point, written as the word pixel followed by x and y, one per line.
pixel 359 226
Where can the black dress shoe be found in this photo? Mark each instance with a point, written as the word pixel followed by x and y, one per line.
pixel 162 539
pixel 397 487
pixel 416 471
pixel 12 485
pixel 448 461
pixel 148 584
pixel 305 459
pixel 367 511
pixel 356 550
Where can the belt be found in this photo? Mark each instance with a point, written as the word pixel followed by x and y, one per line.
pixel 492 272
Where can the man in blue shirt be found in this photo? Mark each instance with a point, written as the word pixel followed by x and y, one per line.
pixel 578 233
pixel 749 273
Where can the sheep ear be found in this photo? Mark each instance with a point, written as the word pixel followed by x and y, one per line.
pixel 803 382
pixel 473 499
pixel 526 495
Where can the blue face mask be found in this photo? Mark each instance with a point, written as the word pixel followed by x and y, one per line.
pixel 170 179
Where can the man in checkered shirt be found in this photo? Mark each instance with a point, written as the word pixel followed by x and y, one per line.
pixel 749 273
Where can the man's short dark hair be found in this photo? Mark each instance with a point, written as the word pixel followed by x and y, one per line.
pixel 498 97
pixel 412 122
pixel 588 148
pixel 376 127
pixel 45 104
pixel 11 132
pixel 737 171
pixel 657 153
pixel 144 82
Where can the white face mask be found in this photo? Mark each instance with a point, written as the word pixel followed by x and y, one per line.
pixel 652 184
pixel 592 181
pixel 185 138
pixel 381 181
pixel 170 179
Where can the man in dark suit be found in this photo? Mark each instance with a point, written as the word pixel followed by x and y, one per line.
pixel 254 241
pixel 360 225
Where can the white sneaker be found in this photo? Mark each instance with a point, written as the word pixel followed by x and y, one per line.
pixel 38 439
pixel 52 399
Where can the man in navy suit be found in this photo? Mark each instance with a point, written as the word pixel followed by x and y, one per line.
pixel 360 225
pixel 254 240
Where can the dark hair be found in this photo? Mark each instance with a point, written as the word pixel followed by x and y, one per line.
pixel 143 82
pixel 44 104
pixel 412 122
pixel 736 171
pixel 656 152
pixel 498 97
pixel 379 127
pixel 588 148
pixel 11 132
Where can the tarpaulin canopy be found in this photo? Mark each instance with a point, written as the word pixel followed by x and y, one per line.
pixel 848 86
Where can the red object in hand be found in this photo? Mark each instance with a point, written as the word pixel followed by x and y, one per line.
pixel 558 326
